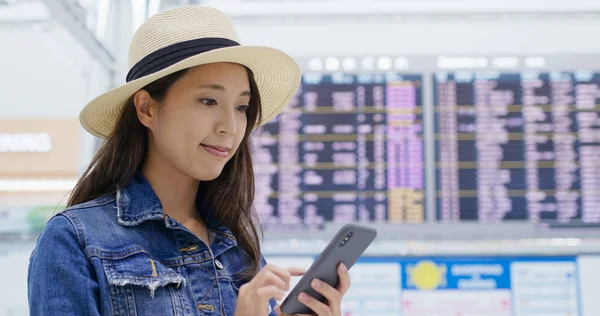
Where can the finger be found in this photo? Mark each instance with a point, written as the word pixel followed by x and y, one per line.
pixel 280 272
pixel 273 275
pixel 271 278
pixel 318 307
pixel 333 296
pixel 344 283
pixel 280 313
pixel 271 291
pixel 295 271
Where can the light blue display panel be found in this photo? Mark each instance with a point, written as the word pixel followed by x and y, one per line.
pixel 460 286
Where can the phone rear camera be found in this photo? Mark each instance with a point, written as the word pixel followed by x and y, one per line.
pixel 346 239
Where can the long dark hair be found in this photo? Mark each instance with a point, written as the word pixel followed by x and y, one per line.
pixel 231 194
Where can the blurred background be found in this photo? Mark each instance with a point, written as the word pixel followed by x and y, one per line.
pixel 466 131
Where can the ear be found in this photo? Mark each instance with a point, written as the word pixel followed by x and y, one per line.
pixel 145 108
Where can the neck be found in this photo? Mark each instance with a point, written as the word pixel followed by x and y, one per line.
pixel 176 191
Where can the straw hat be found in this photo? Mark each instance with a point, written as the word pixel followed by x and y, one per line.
pixel 186 37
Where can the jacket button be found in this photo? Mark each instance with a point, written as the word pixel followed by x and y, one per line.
pixel 218 264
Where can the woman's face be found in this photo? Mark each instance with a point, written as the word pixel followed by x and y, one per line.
pixel 201 122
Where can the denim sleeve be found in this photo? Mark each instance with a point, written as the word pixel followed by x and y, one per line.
pixel 60 279
pixel 272 302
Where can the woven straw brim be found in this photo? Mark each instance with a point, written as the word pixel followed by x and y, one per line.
pixel 277 76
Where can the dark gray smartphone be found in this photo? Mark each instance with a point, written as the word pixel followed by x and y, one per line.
pixel 346 246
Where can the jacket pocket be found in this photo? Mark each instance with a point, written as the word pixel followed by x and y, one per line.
pixel 141 285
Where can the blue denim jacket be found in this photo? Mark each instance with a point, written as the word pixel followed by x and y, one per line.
pixel 122 255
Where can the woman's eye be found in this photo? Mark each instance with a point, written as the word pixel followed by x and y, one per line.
pixel 208 101
pixel 242 108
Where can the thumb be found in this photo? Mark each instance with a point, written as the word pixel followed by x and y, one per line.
pixel 279 313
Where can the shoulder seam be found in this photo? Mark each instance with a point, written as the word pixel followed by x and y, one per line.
pixel 82 243
pixel 86 206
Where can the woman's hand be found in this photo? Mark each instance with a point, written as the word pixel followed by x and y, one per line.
pixel 333 295
pixel 270 282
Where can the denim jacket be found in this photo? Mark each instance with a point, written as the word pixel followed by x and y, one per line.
pixel 122 255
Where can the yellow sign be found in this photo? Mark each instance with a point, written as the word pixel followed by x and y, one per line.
pixel 426 275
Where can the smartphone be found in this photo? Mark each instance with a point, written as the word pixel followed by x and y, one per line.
pixel 346 246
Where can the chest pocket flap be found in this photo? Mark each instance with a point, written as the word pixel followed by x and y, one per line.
pixel 140 269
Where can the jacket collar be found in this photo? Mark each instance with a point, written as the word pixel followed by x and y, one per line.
pixel 137 202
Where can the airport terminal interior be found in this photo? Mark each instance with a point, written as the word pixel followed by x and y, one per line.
pixel 466 132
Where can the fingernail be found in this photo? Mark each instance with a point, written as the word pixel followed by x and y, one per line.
pixel 343 267
pixel 317 283
pixel 303 297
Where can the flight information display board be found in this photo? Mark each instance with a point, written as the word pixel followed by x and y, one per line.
pixel 518 146
pixel 348 148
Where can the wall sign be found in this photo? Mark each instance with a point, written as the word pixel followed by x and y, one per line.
pixel 25 143
pixel 39 148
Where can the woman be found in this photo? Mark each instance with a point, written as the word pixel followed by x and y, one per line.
pixel 161 223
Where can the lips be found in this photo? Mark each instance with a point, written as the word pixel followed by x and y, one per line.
pixel 216 150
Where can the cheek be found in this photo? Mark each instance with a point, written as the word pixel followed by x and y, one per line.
pixel 240 130
pixel 173 132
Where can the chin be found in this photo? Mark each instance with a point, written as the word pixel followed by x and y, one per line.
pixel 207 175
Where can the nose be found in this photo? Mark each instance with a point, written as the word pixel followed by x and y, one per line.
pixel 226 123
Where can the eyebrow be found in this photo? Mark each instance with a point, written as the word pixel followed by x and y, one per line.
pixel 221 88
